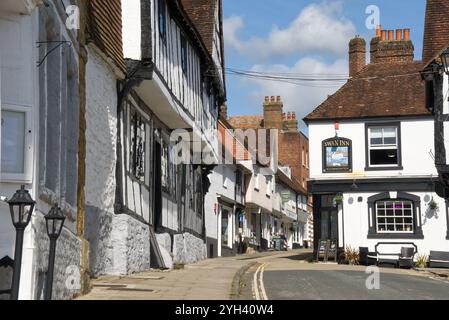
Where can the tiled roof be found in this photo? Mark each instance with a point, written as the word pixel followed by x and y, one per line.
pixel 105 29
pixel 246 122
pixel 236 148
pixel 202 14
pixel 436 29
pixel 379 90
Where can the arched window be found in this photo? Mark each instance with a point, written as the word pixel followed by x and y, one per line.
pixel 395 217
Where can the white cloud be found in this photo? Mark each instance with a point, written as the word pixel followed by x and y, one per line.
pixel 318 28
pixel 301 99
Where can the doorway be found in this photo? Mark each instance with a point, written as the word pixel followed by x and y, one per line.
pixel 157 186
pixel 325 218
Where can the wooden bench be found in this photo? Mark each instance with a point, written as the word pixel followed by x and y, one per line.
pixel 396 260
pixel 439 259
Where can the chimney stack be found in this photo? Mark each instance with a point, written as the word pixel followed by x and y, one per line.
pixel 272 112
pixel 291 124
pixel 374 44
pixel 391 49
pixel 357 55
pixel 224 112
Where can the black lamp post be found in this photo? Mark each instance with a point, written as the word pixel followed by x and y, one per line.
pixel 55 221
pixel 21 206
pixel 445 60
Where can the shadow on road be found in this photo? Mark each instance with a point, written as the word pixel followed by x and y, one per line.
pixel 300 257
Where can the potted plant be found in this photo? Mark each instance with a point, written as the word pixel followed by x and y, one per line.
pixel 433 205
pixel 338 199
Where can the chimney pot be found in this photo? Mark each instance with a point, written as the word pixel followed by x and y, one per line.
pixel 398 34
pixel 272 99
pixel 294 115
pixel 267 99
pixel 390 35
pixel 379 31
pixel 407 34
pixel 289 116
pixel 278 98
pixel 284 116
pixel 384 35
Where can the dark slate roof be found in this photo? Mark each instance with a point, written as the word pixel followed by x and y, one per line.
pixel 379 90
pixel 436 29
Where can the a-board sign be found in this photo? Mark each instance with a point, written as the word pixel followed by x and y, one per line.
pixel 332 250
pixel 323 246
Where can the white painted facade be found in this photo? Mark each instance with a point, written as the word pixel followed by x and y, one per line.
pixel 416 134
pixel 221 193
pixel 27 105
pixel 355 216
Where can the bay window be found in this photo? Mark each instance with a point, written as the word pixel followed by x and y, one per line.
pixel 383 147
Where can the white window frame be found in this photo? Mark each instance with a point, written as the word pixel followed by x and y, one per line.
pixel 383 146
pixel 269 183
pixel 230 229
pixel 256 181
pixel 27 176
pixel 395 216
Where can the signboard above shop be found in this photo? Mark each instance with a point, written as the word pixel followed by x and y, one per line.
pixel 337 155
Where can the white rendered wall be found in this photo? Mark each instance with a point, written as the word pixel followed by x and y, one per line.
pixel 354 220
pixel 417 141
pixel 131 29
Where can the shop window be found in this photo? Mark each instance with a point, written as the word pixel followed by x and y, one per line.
pixel 398 218
pixel 225 227
pixel 394 216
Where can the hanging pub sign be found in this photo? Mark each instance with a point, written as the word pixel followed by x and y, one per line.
pixel 337 155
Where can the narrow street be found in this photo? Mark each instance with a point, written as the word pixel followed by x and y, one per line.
pixel 292 278
pixel 285 276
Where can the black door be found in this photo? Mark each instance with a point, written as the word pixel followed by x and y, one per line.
pixel 157 186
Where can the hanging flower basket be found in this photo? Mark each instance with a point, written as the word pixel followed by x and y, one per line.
pixel 338 199
pixel 433 205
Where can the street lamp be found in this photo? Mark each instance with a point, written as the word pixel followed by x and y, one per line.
pixel 55 221
pixel 445 60
pixel 21 207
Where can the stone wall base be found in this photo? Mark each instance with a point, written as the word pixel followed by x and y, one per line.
pixel 188 249
pixel 119 244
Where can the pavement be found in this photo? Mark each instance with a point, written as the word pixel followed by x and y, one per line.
pixel 270 275
pixel 212 279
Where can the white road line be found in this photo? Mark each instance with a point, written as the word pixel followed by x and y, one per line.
pixel 262 286
pixel 255 286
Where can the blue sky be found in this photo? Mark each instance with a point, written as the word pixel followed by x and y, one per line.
pixel 301 37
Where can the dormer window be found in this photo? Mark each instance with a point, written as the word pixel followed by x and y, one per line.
pixel 383 147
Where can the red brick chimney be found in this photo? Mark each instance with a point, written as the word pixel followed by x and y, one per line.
pixel 375 43
pixel 291 123
pixel 390 49
pixel 272 112
pixel 357 55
